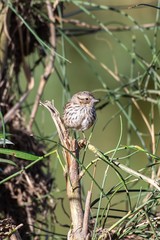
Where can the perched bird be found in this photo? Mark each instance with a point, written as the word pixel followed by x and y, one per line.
pixel 79 113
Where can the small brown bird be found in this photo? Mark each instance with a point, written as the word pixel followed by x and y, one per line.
pixel 79 112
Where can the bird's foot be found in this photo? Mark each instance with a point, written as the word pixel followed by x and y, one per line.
pixel 82 143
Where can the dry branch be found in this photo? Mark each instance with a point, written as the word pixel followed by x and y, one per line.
pixel 9 230
pixel 49 68
pixel 85 28
pixel 79 229
pixel 152 182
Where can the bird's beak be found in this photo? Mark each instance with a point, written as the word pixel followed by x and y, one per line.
pixel 95 100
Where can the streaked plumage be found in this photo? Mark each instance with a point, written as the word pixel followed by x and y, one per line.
pixel 79 112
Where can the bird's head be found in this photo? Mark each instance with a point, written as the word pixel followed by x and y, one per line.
pixel 84 98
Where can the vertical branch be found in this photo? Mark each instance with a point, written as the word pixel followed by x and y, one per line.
pixel 49 64
pixel 4 36
pixel 73 187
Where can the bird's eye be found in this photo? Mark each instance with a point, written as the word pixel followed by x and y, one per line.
pixel 87 99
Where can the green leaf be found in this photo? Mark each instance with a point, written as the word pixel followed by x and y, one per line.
pixel 7 161
pixel 19 154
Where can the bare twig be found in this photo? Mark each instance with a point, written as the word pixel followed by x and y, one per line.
pixel 95 28
pixel 9 230
pixel 125 168
pixel 30 81
pixel 4 36
pixel 86 213
pixel 49 64
pixel 15 235
pixel 11 113
pixel 87 204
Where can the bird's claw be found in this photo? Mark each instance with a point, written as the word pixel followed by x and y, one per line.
pixel 82 143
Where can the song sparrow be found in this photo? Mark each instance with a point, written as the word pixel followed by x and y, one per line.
pixel 79 112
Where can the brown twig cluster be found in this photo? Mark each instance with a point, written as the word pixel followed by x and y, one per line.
pixel 13 34
pixel 9 230
pixel 19 197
